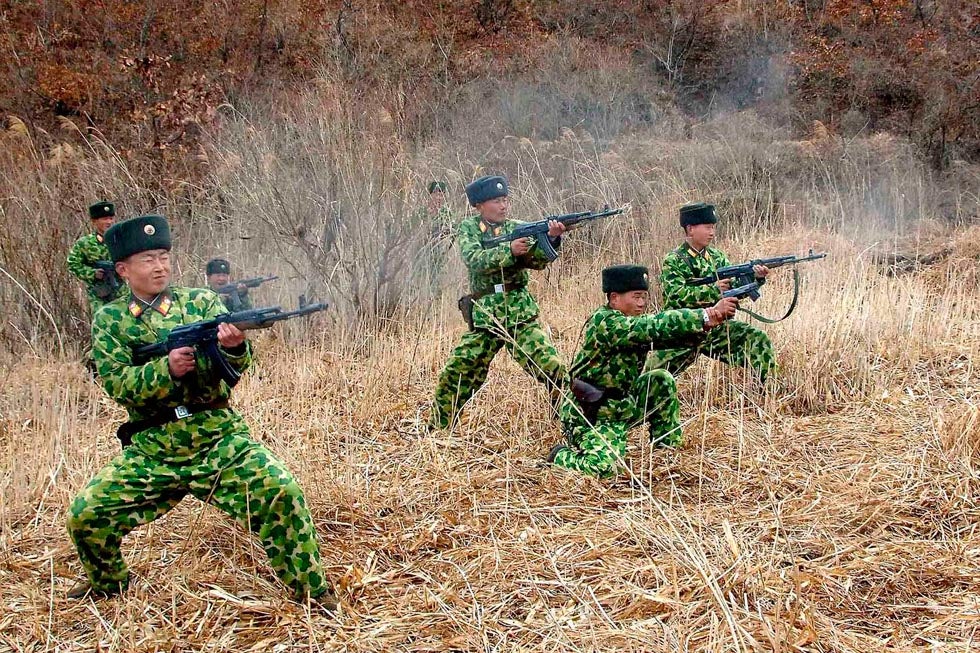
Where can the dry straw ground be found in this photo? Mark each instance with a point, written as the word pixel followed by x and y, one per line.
pixel 835 512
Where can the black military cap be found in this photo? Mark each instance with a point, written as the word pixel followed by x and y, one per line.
pixel 218 266
pixel 624 278
pixel 438 185
pixel 698 213
pixel 137 235
pixel 101 210
pixel 485 189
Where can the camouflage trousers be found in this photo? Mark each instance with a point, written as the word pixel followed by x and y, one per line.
pixel 468 365
pixel 735 343
pixel 598 449
pixel 237 475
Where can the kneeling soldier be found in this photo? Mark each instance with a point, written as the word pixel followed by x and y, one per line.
pixel 185 438
pixel 737 343
pixel 500 310
pixel 611 395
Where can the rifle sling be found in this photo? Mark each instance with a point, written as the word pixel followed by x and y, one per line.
pixel 792 305
pixel 127 430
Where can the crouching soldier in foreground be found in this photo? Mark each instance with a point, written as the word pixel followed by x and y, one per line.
pixel 609 394
pixel 500 310
pixel 185 438
pixel 738 343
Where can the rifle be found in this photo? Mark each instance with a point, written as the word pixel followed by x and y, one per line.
pixel 106 287
pixel 254 282
pixel 204 336
pixel 539 229
pixel 742 274
pixel 746 285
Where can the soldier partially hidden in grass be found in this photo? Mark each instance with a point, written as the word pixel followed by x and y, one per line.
pixel 217 273
pixel 88 251
pixel 609 394
pixel 500 310
pixel 185 438
pixel 737 343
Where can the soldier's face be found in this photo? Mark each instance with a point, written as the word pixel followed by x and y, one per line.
pixel 437 199
pixel 630 303
pixel 494 210
pixel 102 224
pixel 217 279
pixel 701 235
pixel 147 273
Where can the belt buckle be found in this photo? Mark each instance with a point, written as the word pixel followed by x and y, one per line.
pixel 498 288
pixel 181 412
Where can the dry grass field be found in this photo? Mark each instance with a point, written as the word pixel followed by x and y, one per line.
pixel 837 512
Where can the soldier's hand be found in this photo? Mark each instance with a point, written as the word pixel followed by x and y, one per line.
pixel 520 246
pixel 726 307
pixel 761 271
pixel 724 284
pixel 555 228
pixel 230 336
pixel 100 274
pixel 181 361
pixel 242 288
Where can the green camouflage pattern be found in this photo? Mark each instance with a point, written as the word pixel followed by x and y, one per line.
pixel 612 356
pixel 505 319
pixel 685 263
pixel 488 268
pixel 734 343
pixel 468 365
pixel 86 251
pixel 238 300
pixel 207 454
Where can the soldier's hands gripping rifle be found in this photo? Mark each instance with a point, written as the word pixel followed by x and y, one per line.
pixel 203 336
pixel 747 285
pixel 254 282
pixel 742 274
pixel 106 287
pixel 539 230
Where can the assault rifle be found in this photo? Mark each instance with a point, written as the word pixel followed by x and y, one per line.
pixel 742 274
pixel 539 230
pixel 106 287
pixel 254 282
pixel 204 336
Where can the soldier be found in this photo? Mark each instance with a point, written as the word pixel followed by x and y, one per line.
pixel 184 437
pixel 437 213
pixel 500 311
pixel 218 275
pixel 611 395
pixel 737 343
pixel 101 285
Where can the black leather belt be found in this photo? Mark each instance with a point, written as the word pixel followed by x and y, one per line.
pixel 127 430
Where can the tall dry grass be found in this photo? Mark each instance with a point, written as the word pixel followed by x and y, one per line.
pixel 837 512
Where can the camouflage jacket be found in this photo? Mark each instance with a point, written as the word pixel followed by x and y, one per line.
pixel 616 345
pixel 498 266
pixel 684 263
pixel 86 251
pixel 144 390
pixel 237 301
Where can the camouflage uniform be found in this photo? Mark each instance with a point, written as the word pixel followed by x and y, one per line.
pixel 735 343
pixel 508 318
pixel 208 454
pixel 611 359
pixel 87 250
pixel 237 300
